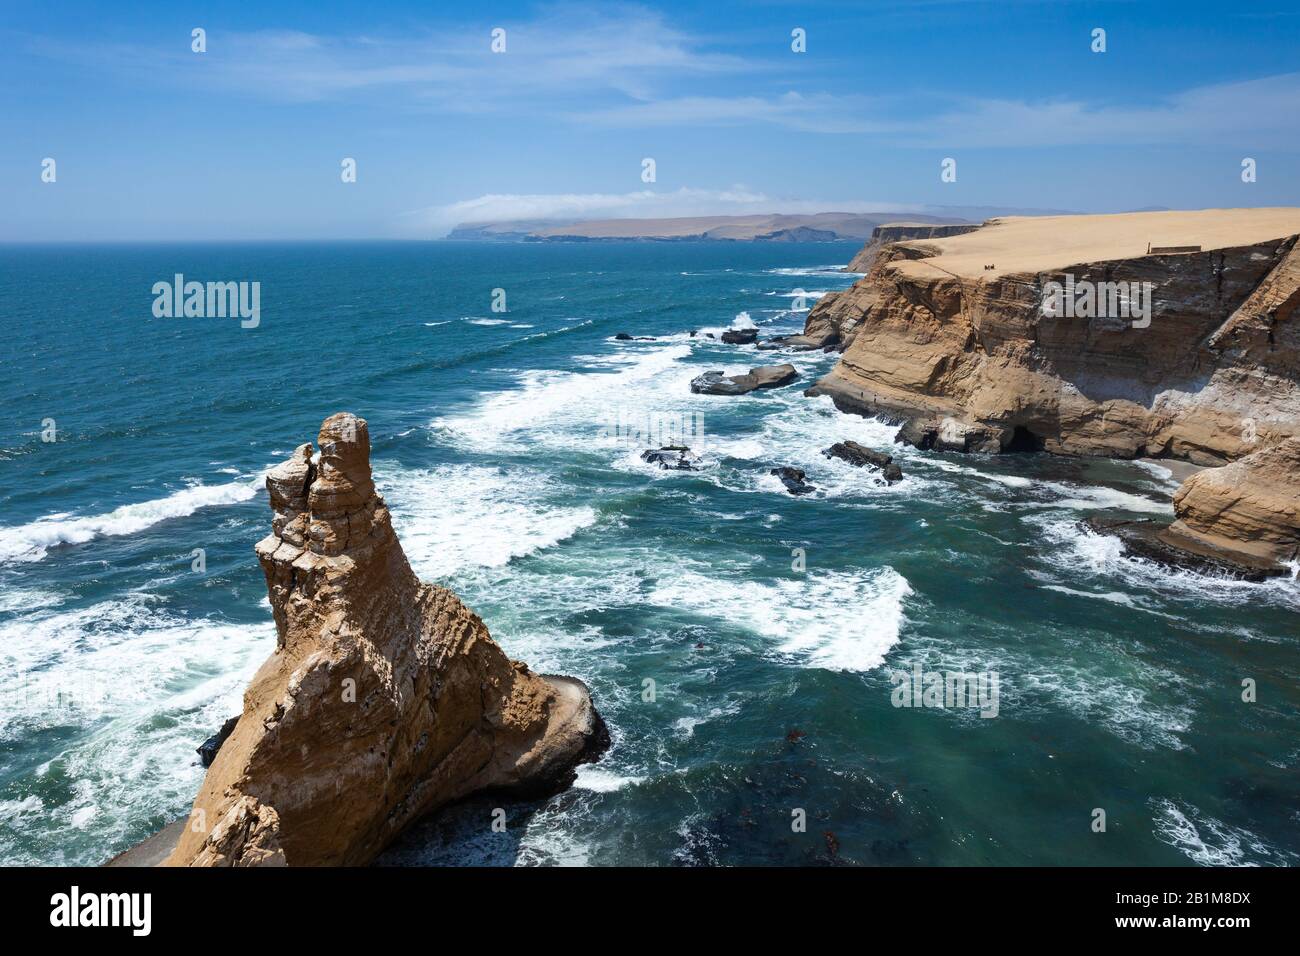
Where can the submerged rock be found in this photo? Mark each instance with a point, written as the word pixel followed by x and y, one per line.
pixel 765 376
pixel 672 458
pixel 385 699
pixel 1163 545
pixel 740 336
pixel 207 750
pixel 794 480
pixel 860 455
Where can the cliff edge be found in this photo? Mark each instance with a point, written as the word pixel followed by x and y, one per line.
pixel 385 698
pixel 1166 335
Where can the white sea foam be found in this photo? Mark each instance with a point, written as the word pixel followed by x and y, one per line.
pixel 28 600
pixel 828 271
pixel 1079 552
pixel 32 541
pixel 486 322
pixel 1210 842
pixel 592 777
pixel 840 620
pixel 132 689
pixel 570 409
pixel 458 516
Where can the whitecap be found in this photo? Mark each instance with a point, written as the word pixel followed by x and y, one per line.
pixel 1210 842
pixel 838 620
pixel 457 516
pixel 32 541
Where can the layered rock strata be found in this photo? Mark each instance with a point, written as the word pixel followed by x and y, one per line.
pixel 1192 356
pixel 971 354
pixel 1248 510
pixel 385 698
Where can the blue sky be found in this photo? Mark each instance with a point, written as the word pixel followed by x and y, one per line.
pixel 154 141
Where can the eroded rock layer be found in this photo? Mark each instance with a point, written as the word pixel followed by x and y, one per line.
pixel 938 339
pixel 1195 355
pixel 1250 508
pixel 386 698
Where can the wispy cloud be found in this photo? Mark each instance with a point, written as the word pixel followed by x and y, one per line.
pixel 628 66
pixel 627 50
pixel 1256 112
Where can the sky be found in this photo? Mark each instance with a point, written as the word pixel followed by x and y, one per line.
pixel 246 140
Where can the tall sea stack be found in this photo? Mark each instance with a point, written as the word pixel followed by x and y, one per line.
pixel 385 698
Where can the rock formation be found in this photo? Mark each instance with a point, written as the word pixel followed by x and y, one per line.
pixel 740 336
pixel 860 456
pixel 765 376
pixel 207 750
pixel 672 458
pixel 794 479
pixel 385 698
pixel 1248 511
pixel 971 355
pixel 833 321
pixel 1184 355
pixel 890 232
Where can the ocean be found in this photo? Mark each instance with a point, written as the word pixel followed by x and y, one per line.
pixel 746 647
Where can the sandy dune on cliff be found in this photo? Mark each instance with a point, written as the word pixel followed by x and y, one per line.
pixel 1051 243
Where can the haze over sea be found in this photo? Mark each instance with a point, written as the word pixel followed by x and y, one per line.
pixel 1120 683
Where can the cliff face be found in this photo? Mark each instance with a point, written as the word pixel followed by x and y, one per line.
pixel 962 341
pixel 385 698
pixel 1251 506
pixel 968 354
pixel 834 320
pixel 892 232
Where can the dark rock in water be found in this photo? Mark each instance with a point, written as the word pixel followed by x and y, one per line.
pixel 798 343
pixel 672 458
pixel 765 376
pixel 207 750
pixel 709 335
pixel 794 480
pixel 623 337
pixel 692 333
pixel 860 455
pixel 1159 543
pixel 918 434
pixel 740 336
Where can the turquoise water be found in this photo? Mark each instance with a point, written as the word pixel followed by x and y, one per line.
pixel 1119 683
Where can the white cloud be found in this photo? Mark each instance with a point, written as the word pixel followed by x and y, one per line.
pixel 1253 112
pixel 584 50
pixel 644 204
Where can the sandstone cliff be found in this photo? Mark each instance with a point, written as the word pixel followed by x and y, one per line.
pixel 892 232
pixel 957 338
pixel 967 352
pixel 385 698
pixel 1250 508
pixel 833 321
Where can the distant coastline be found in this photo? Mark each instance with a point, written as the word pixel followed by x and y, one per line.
pixel 821 227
